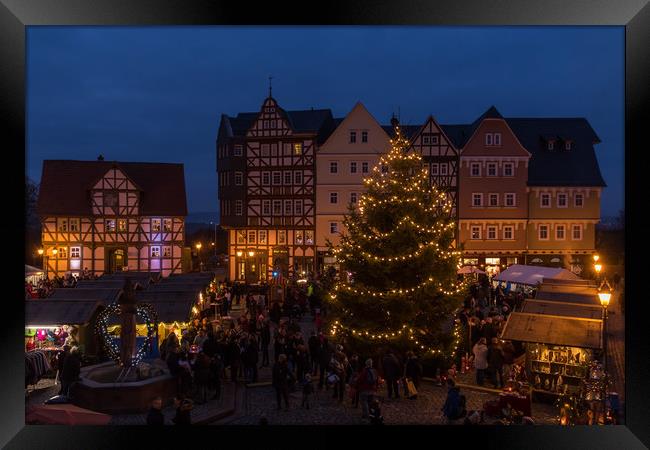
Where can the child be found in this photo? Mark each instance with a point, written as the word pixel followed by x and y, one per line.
pixel 374 412
pixel 307 390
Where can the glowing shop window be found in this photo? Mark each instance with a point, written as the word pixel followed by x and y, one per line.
pixel 492 261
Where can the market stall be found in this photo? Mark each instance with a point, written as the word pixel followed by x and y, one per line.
pixel 33 274
pixel 526 278
pixel 559 348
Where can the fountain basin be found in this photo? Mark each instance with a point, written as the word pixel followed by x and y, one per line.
pixel 99 390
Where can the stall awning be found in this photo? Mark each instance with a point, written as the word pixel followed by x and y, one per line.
pixel 31 270
pixel 569 297
pixel 171 311
pixel 105 295
pixel 555 308
pixel 532 275
pixel 553 330
pixel 48 312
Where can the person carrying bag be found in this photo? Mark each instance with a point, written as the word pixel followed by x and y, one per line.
pixel 410 391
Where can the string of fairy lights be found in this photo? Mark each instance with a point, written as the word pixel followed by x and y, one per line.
pixel 407 220
pixel 456 289
pixel 431 245
pixel 144 311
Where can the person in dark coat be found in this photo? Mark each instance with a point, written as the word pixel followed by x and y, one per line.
pixel 216 369
pixel 413 369
pixel 392 372
pixel 251 357
pixel 495 363
pixel 202 375
pixel 60 361
pixel 265 338
pixel 281 380
pixel 183 408
pixel 508 352
pixel 71 370
pixel 155 415
pixel 324 357
pixel 234 358
pixel 313 352
pixel 453 408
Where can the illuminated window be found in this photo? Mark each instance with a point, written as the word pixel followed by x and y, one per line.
pixel 492 261
pixel 155 225
pixel 74 225
pixel 473 261
pixel 508 233
pixel 241 237
pixel 560 232
pixel 543 233
pixel 262 237
pixel 297 148
pixel 298 237
pixel 62 224
pixel 167 252
pixel 476 232
pixel 167 225
pixel 63 252
pixel 110 224
pixel 121 225
pixel 251 237
pixel 364 136
pixel 75 252
pixel 282 237
pixel 309 237
pixel 155 252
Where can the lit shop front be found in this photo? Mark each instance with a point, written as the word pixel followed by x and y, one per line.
pixel 491 265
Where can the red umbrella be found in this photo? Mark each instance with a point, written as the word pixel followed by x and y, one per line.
pixel 65 414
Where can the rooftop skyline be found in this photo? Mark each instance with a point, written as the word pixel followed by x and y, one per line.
pixel 157 93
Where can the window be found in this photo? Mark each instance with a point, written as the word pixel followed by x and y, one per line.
pixel 334 167
pixel 488 138
pixel 155 252
pixel 277 207
pixel 334 227
pixel 63 253
pixel 434 140
pixel 551 145
pixel 443 168
pixel 576 232
pixel 266 207
pixel 74 225
pixel 287 207
pixel 364 167
pixel 262 237
pixel 579 200
pixel 75 252
pixel 509 199
pixel 476 232
pixel 155 225
pixel 239 178
pixel 567 145
pixel 239 207
pixel 545 201
pixel 251 237
pixel 110 198
pixel 492 261
pixel 491 232
pixel 241 237
pixel 62 224
pixel 384 168
pixel 297 207
pixel 334 197
pixel 266 178
pixel 434 169
pixel 493 199
pixel 508 233
pixel 543 232
pixel 309 237
pixel 492 170
pixel 508 170
pixel 167 225
pixel 475 170
pixel 559 232
pixel 353 167
pixel 287 178
pixel 497 138
pixel 353 197
pixel 265 150
pixel 297 148
pixel 297 178
pixel 477 199
pixel 470 261
pixel 562 200
pixel 298 237
pixel 282 237
pixel 167 251
pixel 110 225
pixel 364 136
pixel 425 139
pixel 353 137
pixel 121 225
pixel 273 124
pixel 238 150
pixel 277 178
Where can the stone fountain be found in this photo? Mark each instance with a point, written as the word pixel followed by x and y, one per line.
pixel 129 383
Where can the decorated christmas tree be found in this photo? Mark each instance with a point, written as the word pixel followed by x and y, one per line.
pixel 399 286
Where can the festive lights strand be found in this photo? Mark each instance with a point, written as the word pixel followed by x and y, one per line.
pixel 459 288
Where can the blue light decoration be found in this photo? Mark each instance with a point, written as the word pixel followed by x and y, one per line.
pixel 275 274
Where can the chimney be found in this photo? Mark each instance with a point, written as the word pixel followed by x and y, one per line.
pixel 100 157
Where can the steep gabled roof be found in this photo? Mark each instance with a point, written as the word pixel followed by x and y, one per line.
pixel 64 186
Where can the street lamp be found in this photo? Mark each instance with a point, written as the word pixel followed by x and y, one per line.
pixel 596 258
pixel 41 253
pixel 251 253
pixel 605 295
pixel 215 238
pixel 239 253
pixel 198 252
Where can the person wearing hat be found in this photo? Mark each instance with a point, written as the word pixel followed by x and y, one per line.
pixel 367 385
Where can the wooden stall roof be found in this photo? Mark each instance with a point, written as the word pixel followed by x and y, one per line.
pixel 105 295
pixel 554 308
pixel 170 306
pixel 568 297
pixel 59 312
pixel 106 283
pixel 190 287
pixel 532 275
pixel 553 330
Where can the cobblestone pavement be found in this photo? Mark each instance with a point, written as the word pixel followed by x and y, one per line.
pixel 325 410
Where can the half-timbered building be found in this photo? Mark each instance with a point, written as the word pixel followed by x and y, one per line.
pixel 108 216
pixel 266 164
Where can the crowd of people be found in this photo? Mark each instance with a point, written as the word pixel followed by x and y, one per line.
pixel 45 286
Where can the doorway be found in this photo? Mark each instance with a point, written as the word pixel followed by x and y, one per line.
pixel 116 260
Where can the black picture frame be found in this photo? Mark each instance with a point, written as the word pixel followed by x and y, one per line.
pixel 634 15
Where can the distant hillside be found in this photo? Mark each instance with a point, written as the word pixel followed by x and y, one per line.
pixel 202 217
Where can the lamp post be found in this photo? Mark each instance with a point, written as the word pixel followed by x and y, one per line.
pixel 251 253
pixel 198 252
pixel 41 253
pixel 605 295
pixel 214 244
pixel 54 252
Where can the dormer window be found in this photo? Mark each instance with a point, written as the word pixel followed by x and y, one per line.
pixel 551 145
pixel 567 145
pixel 488 138
pixel 110 198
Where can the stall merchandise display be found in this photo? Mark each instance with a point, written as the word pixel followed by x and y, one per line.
pixel 556 369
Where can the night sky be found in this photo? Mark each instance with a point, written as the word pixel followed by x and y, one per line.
pixel 156 93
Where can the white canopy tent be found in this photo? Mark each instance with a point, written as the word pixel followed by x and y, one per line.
pixel 33 274
pixel 531 276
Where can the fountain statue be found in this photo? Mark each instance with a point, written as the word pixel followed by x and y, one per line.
pixel 128 310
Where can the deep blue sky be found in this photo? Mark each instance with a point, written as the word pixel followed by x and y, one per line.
pixel 156 94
